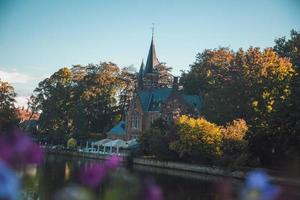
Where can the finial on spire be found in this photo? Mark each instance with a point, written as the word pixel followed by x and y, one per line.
pixel 152 30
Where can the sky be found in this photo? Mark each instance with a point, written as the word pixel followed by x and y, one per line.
pixel 38 37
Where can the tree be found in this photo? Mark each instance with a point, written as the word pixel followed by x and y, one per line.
pixel 279 142
pixel 289 48
pixel 155 141
pixel 247 84
pixel 128 81
pixel 79 100
pixel 8 114
pixel 53 97
pixel 234 143
pixel 199 139
pixel 165 76
pixel 72 143
pixel 95 98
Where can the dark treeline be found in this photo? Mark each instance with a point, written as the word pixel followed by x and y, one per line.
pixel 250 116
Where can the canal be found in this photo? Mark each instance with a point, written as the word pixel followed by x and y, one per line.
pixel 58 172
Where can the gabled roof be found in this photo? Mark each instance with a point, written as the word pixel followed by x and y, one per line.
pixel 152 100
pixel 152 60
pixel 118 129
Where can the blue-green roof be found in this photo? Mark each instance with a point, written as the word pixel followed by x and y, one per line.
pixel 152 100
pixel 193 100
pixel 118 129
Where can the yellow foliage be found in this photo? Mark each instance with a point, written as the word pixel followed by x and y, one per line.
pixel 254 104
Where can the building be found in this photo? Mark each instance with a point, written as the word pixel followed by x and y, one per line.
pixel 28 119
pixel 153 100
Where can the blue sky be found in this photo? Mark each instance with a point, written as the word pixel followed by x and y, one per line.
pixel 39 37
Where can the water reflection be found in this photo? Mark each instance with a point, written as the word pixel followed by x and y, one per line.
pixel 58 171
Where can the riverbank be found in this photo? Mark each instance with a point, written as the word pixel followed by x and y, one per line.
pixel 275 177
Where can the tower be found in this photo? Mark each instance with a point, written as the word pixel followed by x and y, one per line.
pixel 148 77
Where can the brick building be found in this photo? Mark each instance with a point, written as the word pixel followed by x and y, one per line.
pixel 153 100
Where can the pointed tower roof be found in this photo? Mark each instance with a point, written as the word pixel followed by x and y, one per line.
pixel 152 60
pixel 141 72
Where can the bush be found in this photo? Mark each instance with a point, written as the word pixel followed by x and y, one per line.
pixel 199 139
pixel 72 144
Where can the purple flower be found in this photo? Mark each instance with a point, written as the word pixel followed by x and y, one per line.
pixel 9 183
pixel 17 149
pixel 258 187
pixel 152 191
pixel 113 162
pixel 92 175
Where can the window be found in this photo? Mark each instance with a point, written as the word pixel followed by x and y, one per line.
pixel 135 122
pixel 152 119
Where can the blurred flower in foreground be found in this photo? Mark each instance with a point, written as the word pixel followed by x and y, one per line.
pixel 94 174
pixel 73 193
pixel 9 183
pixel 17 149
pixel 258 187
pixel 113 162
pixel 152 191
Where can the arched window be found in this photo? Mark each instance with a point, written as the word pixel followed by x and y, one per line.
pixel 135 122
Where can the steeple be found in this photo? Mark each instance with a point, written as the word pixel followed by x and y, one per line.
pixel 152 60
pixel 141 72
pixel 140 76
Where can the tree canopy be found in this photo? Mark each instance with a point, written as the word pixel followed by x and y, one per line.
pixel 8 114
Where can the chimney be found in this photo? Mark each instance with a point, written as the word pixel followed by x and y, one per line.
pixel 175 82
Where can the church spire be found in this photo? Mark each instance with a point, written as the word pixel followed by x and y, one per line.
pixel 141 72
pixel 152 60
pixel 140 76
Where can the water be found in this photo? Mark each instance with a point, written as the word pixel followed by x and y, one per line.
pixel 59 171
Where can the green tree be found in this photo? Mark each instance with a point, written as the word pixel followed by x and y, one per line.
pixel 155 141
pixel 79 100
pixel 8 114
pixel 53 96
pixel 95 98
pixel 289 48
pixel 128 81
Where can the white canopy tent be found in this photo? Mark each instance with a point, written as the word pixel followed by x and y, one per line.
pixel 114 146
pixel 97 145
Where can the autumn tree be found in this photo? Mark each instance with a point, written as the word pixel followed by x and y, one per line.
pixel 78 101
pixel 234 144
pixel 247 84
pixel 198 140
pixel 95 98
pixel 279 142
pixel 8 114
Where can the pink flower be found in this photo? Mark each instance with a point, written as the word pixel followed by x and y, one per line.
pixel 93 175
pixel 113 162
pixel 17 149
pixel 152 191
